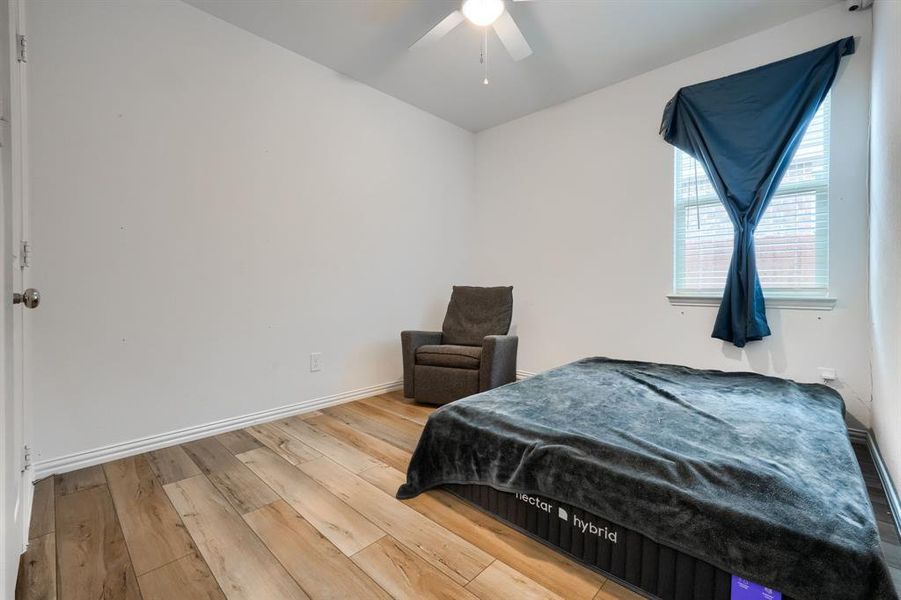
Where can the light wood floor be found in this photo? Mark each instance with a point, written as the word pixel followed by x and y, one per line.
pixel 298 508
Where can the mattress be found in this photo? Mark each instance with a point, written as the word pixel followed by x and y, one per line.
pixel 630 558
pixel 753 475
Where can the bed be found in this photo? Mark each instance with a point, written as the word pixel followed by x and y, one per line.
pixel 678 482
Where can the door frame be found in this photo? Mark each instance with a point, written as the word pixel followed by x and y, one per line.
pixel 16 464
pixel 21 201
pixel 19 188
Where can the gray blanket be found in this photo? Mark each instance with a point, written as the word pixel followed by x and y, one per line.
pixel 752 474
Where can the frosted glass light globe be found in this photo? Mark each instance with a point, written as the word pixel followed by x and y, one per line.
pixel 483 12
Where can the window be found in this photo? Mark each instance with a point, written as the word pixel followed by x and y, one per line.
pixel 792 238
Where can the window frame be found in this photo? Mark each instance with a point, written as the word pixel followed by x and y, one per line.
pixel 817 298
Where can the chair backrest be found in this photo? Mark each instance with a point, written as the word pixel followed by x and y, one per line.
pixel 474 312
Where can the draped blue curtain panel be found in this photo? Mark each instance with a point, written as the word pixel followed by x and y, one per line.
pixel 744 130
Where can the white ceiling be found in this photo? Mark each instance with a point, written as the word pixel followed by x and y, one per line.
pixel 579 45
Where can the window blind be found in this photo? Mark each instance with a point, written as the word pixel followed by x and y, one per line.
pixel 792 239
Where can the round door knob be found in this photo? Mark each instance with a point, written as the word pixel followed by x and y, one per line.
pixel 30 298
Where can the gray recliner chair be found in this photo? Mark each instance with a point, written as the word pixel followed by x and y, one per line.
pixel 472 352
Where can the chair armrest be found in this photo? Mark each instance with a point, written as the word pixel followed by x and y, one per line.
pixel 409 342
pixel 498 361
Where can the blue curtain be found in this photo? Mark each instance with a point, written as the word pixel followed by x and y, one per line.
pixel 744 130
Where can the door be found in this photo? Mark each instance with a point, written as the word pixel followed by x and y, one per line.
pixel 17 472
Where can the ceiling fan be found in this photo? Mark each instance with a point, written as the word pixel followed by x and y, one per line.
pixel 482 13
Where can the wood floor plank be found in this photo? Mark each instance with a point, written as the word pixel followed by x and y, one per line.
pixel 43 520
pixel 450 553
pixel 343 526
pixel 245 491
pixel 896 577
pixel 308 415
pixel 417 413
pixel 209 455
pixel 76 481
pixel 892 554
pixel 398 396
pixel 153 530
pixel 189 577
pixel 405 575
pixel 390 418
pixel 172 464
pixel 243 566
pixel 887 532
pixel 238 441
pixel 501 581
pixel 340 452
pixel 37 570
pixel 379 423
pixel 93 559
pixel 238 484
pixel 614 591
pixel 377 448
pixel 548 568
pixel 386 478
pixel 322 570
pixel 287 446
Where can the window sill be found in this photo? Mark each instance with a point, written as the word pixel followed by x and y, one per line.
pixel 789 302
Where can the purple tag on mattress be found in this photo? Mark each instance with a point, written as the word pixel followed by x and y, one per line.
pixel 742 589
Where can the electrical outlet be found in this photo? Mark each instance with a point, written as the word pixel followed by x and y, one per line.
pixel 827 373
pixel 315 361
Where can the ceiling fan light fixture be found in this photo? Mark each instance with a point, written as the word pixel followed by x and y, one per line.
pixel 483 12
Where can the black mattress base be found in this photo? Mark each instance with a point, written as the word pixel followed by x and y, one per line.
pixel 626 556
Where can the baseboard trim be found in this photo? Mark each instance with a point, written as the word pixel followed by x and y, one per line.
pixel 891 492
pixel 104 454
pixel 524 374
pixel 858 435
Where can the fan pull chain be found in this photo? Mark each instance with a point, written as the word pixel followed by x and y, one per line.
pixel 484 58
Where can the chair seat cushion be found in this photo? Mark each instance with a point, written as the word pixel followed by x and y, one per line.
pixel 448 355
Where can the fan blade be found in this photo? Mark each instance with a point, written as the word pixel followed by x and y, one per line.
pixel 511 37
pixel 439 31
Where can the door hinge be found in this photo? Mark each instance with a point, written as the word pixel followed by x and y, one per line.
pixel 21 48
pixel 26 459
pixel 25 254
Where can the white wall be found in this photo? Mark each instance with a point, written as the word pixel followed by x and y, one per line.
pixel 885 231
pixel 575 211
pixel 209 209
